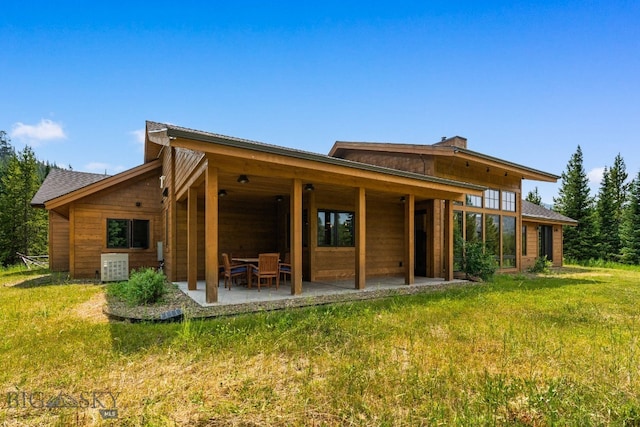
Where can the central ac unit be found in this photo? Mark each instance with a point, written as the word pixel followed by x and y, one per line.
pixel 115 267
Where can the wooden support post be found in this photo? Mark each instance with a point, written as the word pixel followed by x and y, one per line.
pixel 361 238
pixel 211 233
pixel 409 239
pixel 296 237
pixel 192 238
pixel 448 240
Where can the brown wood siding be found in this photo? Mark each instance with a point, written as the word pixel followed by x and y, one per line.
pixel 557 246
pixel 58 242
pixel 90 219
pixel 529 259
pixel 185 163
pixel 385 238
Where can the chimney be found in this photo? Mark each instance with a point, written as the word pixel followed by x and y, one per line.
pixel 454 141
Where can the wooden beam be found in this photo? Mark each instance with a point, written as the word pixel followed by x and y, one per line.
pixel 361 238
pixel 409 239
pixel 448 240
pixel 211 233
pixel 296 237
pixel 192 239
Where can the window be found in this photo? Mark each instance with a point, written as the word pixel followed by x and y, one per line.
pixel 492 199
pixel 458 240
pixel 335 228
pixel 508 242
pixel 127 233
pixel 473 232
pixel 509 201
pixel 524 240
pixel 474 201
pixel 492 235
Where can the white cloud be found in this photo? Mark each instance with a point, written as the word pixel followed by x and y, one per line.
pixel 139 135
pixel 595 176
pixel 46 130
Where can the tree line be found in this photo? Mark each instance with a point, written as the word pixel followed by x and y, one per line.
pixel 609 223
pixel 23 229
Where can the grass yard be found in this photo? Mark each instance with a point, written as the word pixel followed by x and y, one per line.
pixel 560 349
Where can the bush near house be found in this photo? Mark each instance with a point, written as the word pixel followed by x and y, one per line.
pixel 145 286
pixel 478 262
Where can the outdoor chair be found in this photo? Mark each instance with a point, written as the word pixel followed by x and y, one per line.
pixel 232 272
pixel 267 269
pixel 284 268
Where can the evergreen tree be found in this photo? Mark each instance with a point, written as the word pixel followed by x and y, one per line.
pixel 575 202
pixel 608 231
pixel 631 227
pixel 534 197
pixel 22 228
pixel 6 151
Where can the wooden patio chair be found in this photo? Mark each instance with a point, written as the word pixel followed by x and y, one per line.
pixel 267 269
pixel 232 272
pixel 284 268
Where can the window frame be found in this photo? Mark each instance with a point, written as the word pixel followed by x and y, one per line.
pixel 135 230
pixel 508 201
pixel 492 199
pixel 332 229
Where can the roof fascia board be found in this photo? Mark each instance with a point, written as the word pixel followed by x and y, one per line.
pixel 103 184
pixel 176 134
pixel 463 153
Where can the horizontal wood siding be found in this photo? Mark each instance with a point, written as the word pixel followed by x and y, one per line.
pixel 385 238
pixel 119 202
pixel 58 242
pixel 529 259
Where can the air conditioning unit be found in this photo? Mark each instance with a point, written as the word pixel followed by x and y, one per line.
pixel 115 267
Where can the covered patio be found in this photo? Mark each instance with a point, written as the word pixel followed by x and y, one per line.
pixel 314 292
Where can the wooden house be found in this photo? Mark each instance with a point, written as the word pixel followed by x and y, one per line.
pixel 364 210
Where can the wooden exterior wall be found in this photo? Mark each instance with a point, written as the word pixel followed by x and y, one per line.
pixel 88 219
pixel 58 242
pixel 385 238
pixel 532 237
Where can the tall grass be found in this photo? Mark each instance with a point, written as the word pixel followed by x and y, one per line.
pixel 563 349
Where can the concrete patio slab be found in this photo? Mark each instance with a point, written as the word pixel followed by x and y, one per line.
pixel 310 290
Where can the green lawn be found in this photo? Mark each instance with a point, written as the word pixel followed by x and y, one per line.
pixel 560 349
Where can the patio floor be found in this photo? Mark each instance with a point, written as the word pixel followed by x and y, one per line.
pixel 312 290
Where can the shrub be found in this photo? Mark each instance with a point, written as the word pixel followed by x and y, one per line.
pixel 542 265
pixel 145 286
pixel 477 262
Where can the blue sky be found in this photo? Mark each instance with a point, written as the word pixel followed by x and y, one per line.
pixel 524 81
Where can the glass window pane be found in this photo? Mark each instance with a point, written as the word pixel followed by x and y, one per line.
pixel 117 233
pixel 492 236
pixel 140 233
pixel 473 232
pixel 458 240
pixel 508 242
pixel 475 201
pixel 509 201
pixel 492 199
pixel 344 229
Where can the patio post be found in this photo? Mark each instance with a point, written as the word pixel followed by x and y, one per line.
pixel 409 238
pixel 448 240
pixel 192 238
pixel 296 237
pixel 361 238
pixel 211 232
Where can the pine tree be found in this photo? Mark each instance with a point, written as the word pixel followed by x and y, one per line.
pixel 534 197
pixel 608 231
pixel 22 228
pixel 575 202
pixel 631 226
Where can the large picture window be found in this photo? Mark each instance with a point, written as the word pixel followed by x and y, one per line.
pixel 335 228
pixel 508 242
pixel 127 233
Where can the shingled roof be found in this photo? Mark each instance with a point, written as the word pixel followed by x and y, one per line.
pixel 60 182
pixel 533 211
